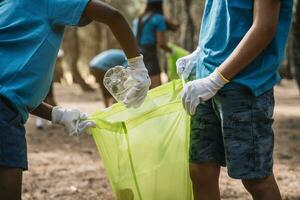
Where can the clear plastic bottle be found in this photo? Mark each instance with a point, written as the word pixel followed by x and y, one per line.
pixel 117 81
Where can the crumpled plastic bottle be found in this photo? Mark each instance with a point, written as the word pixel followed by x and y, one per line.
pixel 117 81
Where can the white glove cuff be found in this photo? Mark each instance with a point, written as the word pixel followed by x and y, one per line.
pixel 136 62
pixel 135 59
pixel 57 114
pixel 197 51
pixel 218 78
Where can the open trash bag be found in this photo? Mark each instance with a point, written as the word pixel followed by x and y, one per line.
pixel 145 150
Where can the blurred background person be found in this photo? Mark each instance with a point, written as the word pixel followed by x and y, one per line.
pixel 150 29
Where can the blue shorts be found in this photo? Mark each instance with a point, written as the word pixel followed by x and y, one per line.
pixel 234 129
pixel 13 149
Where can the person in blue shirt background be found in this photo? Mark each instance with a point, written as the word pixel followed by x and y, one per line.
pixel 101 63
pixel 31 33
pixel 150 29
pixel 241 47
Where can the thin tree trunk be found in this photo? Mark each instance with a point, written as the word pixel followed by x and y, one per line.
pixel 189 43
pixel 75 53
pixel 296 43
pixel 98 37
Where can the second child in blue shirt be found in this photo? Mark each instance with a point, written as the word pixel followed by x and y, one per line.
pixel 241 46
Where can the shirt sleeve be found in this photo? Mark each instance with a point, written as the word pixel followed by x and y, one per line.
pixel 160 22
pixel 67 12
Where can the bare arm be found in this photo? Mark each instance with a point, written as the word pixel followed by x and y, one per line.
pixel 259 36
pixel 161 42
pixel 44 111
pixel 101 12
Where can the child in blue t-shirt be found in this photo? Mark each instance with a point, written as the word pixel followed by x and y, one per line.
pixel 241 46
pixel 31 33
pixel 150 30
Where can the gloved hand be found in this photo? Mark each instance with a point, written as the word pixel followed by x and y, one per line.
pixel 73 120
pixel 138 82
pixel 200 90
pixel 186 64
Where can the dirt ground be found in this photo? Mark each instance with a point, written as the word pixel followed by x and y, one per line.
pixel 69 168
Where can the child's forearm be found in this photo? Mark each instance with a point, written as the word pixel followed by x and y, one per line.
pixel 44 111
pixel 124 35
pixel 162 42
pixel 259 36
pixel 101 12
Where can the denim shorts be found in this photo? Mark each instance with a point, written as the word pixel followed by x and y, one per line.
pixel 13 149
pixel 234 129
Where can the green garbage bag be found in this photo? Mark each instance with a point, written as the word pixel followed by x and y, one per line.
pixel 177 53
pixel 145 150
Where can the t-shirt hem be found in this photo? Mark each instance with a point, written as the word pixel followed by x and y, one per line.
pixel 256 92
pixel 16 103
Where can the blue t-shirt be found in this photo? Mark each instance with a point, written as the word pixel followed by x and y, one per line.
pixel 109 59
pixel 225 23
pixel 31 33
pixel 157 23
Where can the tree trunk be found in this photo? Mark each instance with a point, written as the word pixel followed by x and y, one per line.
pixel 296 43
pixel 189 43
pixel 99 38
pixel 74 54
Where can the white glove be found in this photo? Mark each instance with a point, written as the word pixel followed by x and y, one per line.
pixel 201 90
pixel 73 120
pixel 138 82
pixel 186 64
